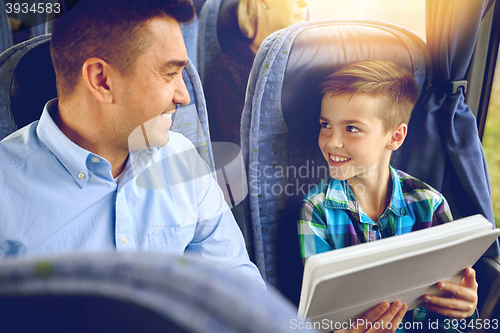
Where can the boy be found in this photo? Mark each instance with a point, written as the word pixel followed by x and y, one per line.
pixel 365 110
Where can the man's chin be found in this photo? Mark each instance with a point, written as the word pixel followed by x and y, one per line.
pixel 138 141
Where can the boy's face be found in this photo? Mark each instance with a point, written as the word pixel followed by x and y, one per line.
pixel 352 138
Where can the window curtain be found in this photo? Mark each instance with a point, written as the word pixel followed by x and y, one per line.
pixel 443 147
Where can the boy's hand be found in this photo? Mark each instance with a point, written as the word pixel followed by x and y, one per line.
pixel 461 299
pixel 387 315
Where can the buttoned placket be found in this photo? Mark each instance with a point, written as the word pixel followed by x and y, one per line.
pixel 123 224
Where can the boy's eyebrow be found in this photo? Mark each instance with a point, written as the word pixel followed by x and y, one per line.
pixel 353 121
pixel 346 122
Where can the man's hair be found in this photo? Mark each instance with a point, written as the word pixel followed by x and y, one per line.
pixel 248 18
pixel 394 85
pixel 112 30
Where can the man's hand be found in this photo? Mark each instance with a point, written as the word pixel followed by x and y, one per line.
pixel 461 299
pixel 388 316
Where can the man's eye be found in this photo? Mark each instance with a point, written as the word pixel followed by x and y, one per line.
pixel 325 124
pixel 352 129
pixel 172 75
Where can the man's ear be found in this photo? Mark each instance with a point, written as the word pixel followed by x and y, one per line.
pixel 398 137
pixel 97 75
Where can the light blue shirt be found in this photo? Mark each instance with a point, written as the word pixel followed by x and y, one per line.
pixel 56 196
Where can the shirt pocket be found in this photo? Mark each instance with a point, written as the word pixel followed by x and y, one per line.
pixel 173 239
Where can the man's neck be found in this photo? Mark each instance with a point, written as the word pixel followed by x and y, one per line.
pixel 373 192
pixel 89 135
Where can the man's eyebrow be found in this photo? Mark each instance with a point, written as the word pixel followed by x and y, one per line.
pixel 174 63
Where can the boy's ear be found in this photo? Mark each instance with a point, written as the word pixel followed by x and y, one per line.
pixel 398 137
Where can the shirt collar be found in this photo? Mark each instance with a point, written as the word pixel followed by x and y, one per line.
pixel 71 156
pixel 79 161
pixel 339 195
pixel 397 204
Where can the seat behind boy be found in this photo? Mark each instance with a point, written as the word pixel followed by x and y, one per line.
pixel 280 126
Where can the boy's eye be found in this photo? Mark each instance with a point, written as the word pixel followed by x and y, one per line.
pixel 352 129
pixel 324 124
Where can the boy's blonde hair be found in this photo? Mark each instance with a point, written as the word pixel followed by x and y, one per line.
pixel 248 17
pixel 378 78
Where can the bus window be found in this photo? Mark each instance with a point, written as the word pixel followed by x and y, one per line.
pixel 407 14
pixel 491 142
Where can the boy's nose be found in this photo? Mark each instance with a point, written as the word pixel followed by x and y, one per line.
pixel 335 142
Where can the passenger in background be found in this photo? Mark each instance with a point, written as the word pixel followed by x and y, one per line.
pixel 226 89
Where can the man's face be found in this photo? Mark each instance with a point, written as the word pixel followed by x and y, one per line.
pixel 352 138
pixel 149 96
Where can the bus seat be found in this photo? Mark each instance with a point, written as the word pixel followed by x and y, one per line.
pixel 279 127
pixel 40 84
pixel 33 19
pixel 190 36
pixel 5 31
pixel 218 32
pixel 28 82
pixel 198 4
pixel 134 292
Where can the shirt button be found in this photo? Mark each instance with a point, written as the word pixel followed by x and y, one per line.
pixel 81 175
pixel 95 159
pixel 124 240
pixel 375 228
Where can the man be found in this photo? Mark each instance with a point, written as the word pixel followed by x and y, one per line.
pixel 75 179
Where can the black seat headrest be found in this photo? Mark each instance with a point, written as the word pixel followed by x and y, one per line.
pixel 34 84
pixel 319 52
pixel 228 30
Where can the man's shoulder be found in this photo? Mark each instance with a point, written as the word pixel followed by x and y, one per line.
pixel 19 146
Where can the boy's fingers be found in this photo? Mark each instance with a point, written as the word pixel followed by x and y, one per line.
pixel 470 278
pixel 388 317
pixel 459 291
pixel 450 303
pixel 453 313
pixel 372 316
pixel 376 312
pixel 397 319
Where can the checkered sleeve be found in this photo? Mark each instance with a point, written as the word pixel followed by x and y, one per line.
pixel 442 212
pixel 313 231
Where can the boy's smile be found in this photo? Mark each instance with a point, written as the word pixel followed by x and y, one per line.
pixel 352 138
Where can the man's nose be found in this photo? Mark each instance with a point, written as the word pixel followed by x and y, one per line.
pixel 181 95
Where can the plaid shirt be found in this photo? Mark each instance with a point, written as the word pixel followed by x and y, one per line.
pixel 331 218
